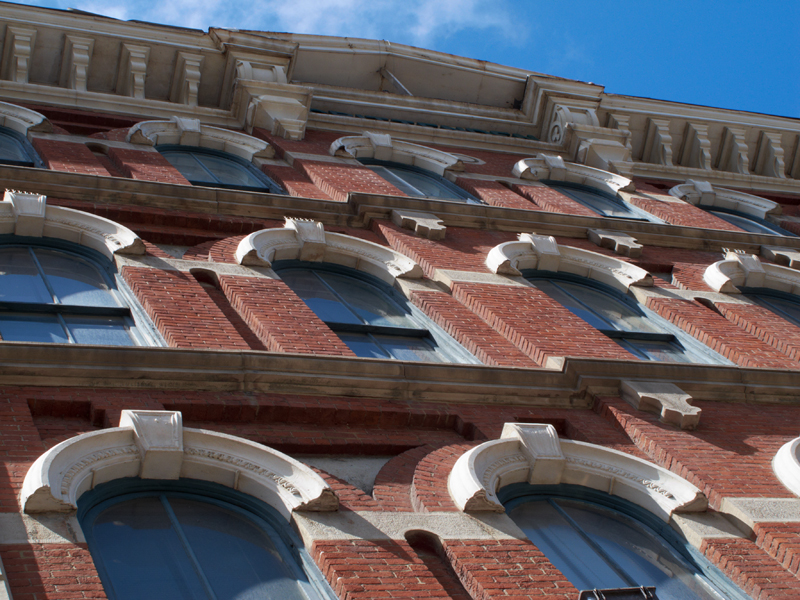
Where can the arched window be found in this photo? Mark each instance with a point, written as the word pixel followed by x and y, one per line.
pixel 211 168
pixel 52 295
pixel 749 222
pixel 617 316
pixel 186 539
pixel 604 204
pixel 369 316
pixel 16 150
pixel 418 182
pixel 600 542
pixel 782 304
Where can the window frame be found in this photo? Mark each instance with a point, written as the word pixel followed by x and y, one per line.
pixel 515 494
pixel 23 143
pixel 695 351
pixel 141 330
pixel 92 503
pixel 269 186
pixel 460 195
pixel 442 343
pixel 757 221
pixel 633 213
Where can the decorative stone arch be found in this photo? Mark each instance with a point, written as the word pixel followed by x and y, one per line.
pixel 23 213
pixel 535 454
pixel 704 195
pixel 554 168
pixel 307 240
pixel 23 120
pixel 747 270
pixel 543 253
pixel 153 444
pixel 786 465
pixel 381 146
pixel 190 132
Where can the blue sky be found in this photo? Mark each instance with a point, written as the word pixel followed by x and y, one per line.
pixel 737 54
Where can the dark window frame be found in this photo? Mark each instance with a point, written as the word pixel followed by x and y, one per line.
pixel 758 221
pixel 22 142
pixel 92 503
pixel 269 186
pixel 565 187
pixel 460 194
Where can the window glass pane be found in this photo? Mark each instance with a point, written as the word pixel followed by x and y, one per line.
pixel 142 553
pixel 403 348
pixel 102 331
pixel 32 328
pixel 396 181
pixel 571 303
pixel 597 202
pixel 239 560
pixel 228 171
pixel 74 281
pixel 744 223
pixel 428 185
pixel 319 298
pixel 188 166
pixel 621 316
pixel 363 345
pixel 11 149
pixel 20 280
pixel 659 351
pixel 368 303
pixel 784 307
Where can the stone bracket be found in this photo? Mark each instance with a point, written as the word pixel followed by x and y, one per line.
pixel 732 154
pixel 29 212
pixel 311 235
pixel 768 160
pixel 132 70
pixel 280 108
pixel 787 257
pixel 622 244
pixel 17 54
pixel 75 62
pixel 158 435
pixel 696 148
pixel 665 399
pixel 186 79
pixel 657 147
pixel 425 225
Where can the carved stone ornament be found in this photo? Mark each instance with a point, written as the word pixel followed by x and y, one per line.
pixel 703 194
pixel 132 70
pixel 23 213
pixel 787 257
pixel 425 225
pixel 23 120
pixel 155 445
pixel 667 400
pixel 190 132
pixel 543 253
pixel 748 271
pixel 382 147
pixel 17 53
pixel 280 108
pixel 621 243
pixel 786 465
pixel 307 240
pixel 555 168
pixel 75 62
pixel 534 454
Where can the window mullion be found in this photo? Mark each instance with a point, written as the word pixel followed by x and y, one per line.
pixel 593 545
pixel 64 326
pixel 205 168
pixel 396 178
pixel 44 277
pixel 189 552
pixel 344 302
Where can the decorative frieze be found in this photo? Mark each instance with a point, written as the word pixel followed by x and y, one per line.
pixel 75 62
pixel 667 400
pixel 186 79
pixel 132 70
pixel 17 54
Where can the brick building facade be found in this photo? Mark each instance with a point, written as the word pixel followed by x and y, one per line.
pixel 306 317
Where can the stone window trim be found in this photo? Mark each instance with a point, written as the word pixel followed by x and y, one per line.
pixel 547 167
pixel 533 453
pixel 747 270
pixel 27 214
pixel 381 146
pixel 23 120
pixel 703 195
pixel 180 131
pixel 543 253
pixel 786 465
pixel 308 241
pixel 152 444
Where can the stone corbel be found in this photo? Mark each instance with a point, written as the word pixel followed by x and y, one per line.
pixel 621 243
pixel 667 400
pixel 657 147
pixel 17 53
pixel 732 155
pixel 281 109
pixel 696 148
pixel 604 154
pixel 425 225
pixel 302 239
pixel 75 62
pixel 563 117
pixel 794 169
pixel 768 161
pixel 383 147
pixel 132 70
pixel 555 168
pixel 703 194
pixel 786 257
pixel 186 79
pixel 534 454
pixel 737 270
pixel 23 213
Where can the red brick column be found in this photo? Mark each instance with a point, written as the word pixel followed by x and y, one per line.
pixel 182 310
pixel 761 322
pixel 337 180
pixel 279 318
pixel 552 201
pixel 145 165
pixel 295 182
pixel 68 156
pixel 782 542
pixel 678 212
pixel 495 193
pixel 20 445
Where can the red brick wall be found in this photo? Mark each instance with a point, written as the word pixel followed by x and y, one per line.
pixel 553 201
pixel 66 156
pixel 337 180
pixel 295 182
pixel 767 326
pixel 144 165
pixel 495 194
pixel 682 213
